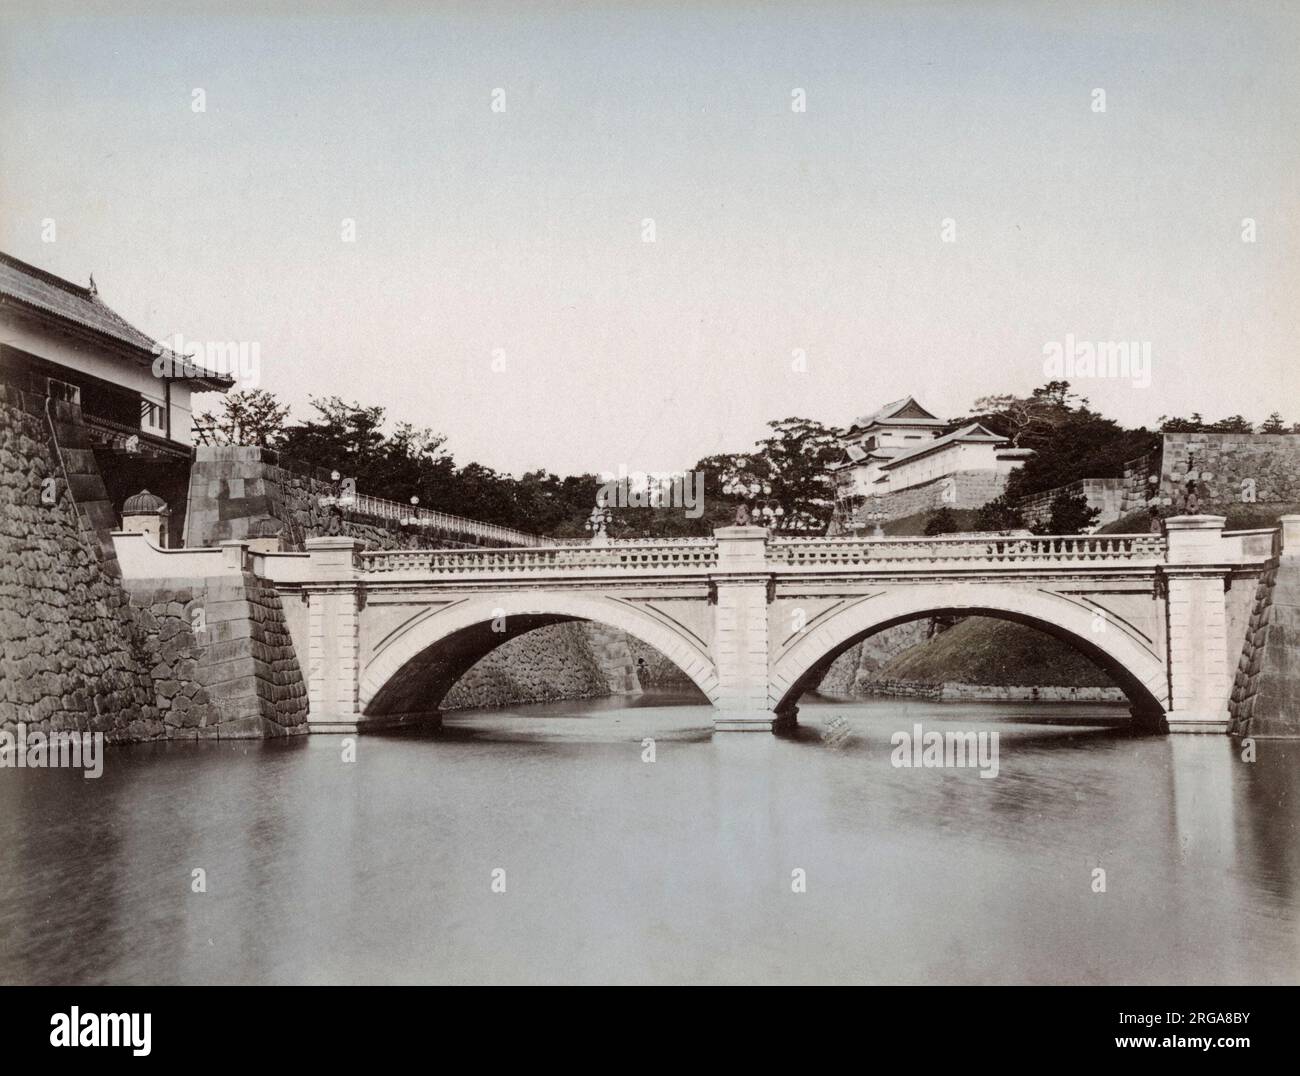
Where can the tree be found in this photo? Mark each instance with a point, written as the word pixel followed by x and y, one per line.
pixel 1083 445
pixel 1195 424
pixel 1233 424
pixel 1070 514
pixel 1273 424
pixel 247 417
pixel 999 514
pixel 344 436
pixel 798 453
pixel 788 469
pixel 942 522
pixel 1027 419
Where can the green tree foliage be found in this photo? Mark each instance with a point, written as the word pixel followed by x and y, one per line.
pixel 1231 424
pixel 1273 424
pixel 789 469
pixel 413 461
pixel 1028 420
pixel 1081 444
pixel 942 522
pixel 1070 514
pixel 999 515
pixel 247 417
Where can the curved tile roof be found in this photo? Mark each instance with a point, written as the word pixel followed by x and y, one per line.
pixel 36 289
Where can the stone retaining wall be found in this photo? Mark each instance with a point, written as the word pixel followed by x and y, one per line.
pixel 224 663
pixel 1267 683
pixel 73 657
pixel 1107 495
pixel 961 489
pixel 658 672
pixel 231 487
pixel 544 665
pixel 1234 468
pixel 956 692
pixel 857 666
pixel 1137 488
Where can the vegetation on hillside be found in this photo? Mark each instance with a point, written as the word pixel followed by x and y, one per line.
pixel 784 478
pixel 984 650
pixel 786 473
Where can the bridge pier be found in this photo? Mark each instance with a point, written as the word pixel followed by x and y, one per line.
pixel 740 640
pixel 1200 678
pixel 333 617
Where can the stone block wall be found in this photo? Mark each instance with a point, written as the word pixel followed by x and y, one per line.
pixel 613 653
pixel 1107 495
pixel 961 489
pixel 233 486
pixel 658 673
pixel 852 672
pixel 1137 490
pixel 224 663
pixel 1267 684
pixel 545 665
pixel 1233 468
pixel 73 657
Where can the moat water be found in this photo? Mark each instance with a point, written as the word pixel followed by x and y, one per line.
pixel 616 869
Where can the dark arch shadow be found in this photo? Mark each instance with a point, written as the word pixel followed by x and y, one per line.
pixel 1147 712
pixel 422 683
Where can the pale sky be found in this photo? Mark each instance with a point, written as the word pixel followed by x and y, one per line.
pixel 775 230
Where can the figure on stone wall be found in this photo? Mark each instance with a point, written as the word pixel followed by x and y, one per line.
pixel 1191 503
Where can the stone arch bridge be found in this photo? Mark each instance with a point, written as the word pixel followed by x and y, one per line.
pixel 754 619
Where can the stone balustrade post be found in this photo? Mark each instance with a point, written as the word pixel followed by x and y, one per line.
pixel 234 556
pixel 1290 535
pixel 1200 673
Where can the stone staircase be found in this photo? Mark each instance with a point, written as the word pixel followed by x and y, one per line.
pixel 72 444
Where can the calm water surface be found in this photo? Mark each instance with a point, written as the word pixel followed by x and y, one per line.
pixel 321 871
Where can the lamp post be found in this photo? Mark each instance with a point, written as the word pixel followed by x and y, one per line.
pixel 597 523
pixel 750 489
pixel 770 514
pixel 876 516
pixel 413 519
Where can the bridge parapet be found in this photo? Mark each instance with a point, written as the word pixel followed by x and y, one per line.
pixel 1049 551
pixel 682 555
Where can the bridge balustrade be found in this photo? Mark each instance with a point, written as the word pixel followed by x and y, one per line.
pixel 688 554
pixel 860 552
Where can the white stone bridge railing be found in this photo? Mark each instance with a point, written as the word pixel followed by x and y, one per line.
pixel 700 556
pixel 874 553
pixel 748 550
pixel 681 555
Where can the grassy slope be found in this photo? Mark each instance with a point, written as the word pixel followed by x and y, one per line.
pixel 984 650
pixel 1241 517
pixel 915 524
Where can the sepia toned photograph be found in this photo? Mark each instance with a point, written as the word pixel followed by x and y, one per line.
pixel 649 494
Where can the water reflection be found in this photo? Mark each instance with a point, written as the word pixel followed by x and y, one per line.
pixel 379 870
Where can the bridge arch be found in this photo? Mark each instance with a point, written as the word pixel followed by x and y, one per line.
pixel 415 668
pixel 1138 670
